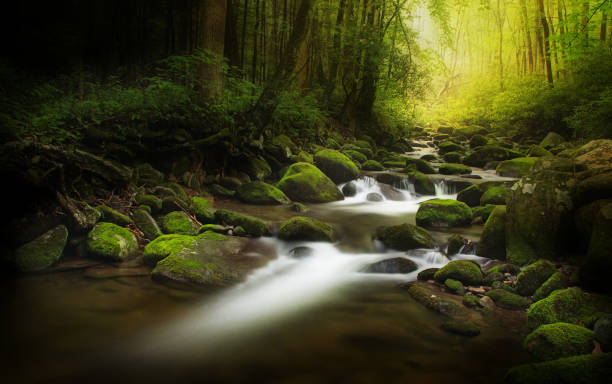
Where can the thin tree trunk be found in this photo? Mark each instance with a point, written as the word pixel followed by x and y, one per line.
pixel 212 39
pixel 527 35
pixel 549 75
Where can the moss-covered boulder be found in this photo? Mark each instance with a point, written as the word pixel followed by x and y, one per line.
pixel 453 157
pixel 603 332
pixel 507 300
pixel 145 174
pixel 390 179
pixel 464 271
pixel 518 167
pixel 306 183
pixel 154 202
pixel 256 167
pixel 470 195
pixel 337 166
pixel 112 242
pixel 435 301
pixel 355 156
pixel 455 243
pixel 478 141
pixel 393 265
pixel 112 216
pixel 499 195
pixel 557 280
pixel 443 213
pixel 539 213
pixel 303 157
pixel 211 260
pixel 449 146
pixel 551 140
pixel 260 193
pixel 554 341
pixel 584 219
pixel 565 305
pixel 179 223
pixel 177 188
pixel 202 210
pixel 404 237
pixel 423 185
pixel 454 169
pixel 146 224
pixel 488 153
pixel 164 246
pixel 42 252
pixel 367 152
pixel 372 165
pixel 533 276
pixel 583 369
pixel 252 225
pixel 595 270
pixel 493 238
pixel 595 188
pixel 307 229
pixel 286 143
pixel 421 166
pixel 537 151
pixel 480 215
pixel 454 286
pixel 427 274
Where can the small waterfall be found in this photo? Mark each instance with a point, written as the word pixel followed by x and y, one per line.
pixel 443 187
pixel 406 185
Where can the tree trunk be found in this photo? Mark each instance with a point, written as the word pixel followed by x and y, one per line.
pixel 212 39
pixel 542 14
pixel 527 35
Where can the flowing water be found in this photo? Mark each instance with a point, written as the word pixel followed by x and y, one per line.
pixel 306 320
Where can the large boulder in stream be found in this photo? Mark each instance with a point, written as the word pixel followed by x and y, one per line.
pixel 306 229
pixel 493 239
pixel 164 246
pixel 42 252
pixel 454 169
pixel 404 237
pixel 465 271
pixel 443 213
pixel 252 225
pixel 336 166
pixel 551 140
pixel 393 265
pixel 372 165
pixel 488 153
pixel 518 167
pixel 471 195
pixel 554 341
pixel 112 242
pixel 423 185
pixel 260 193
pixel 533 276
pixel 306 183
pixel 211 260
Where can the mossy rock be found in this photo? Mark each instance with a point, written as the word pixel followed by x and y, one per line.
pixel 463 328
pixel 423 184
pixel 286 142
pixel 471 301
pixel 496 196
pixel 260 193
pixel 533 276
pixel 537 151
pixel 146 224
pixel 253 226
pixel 154 202
pixel 585 218
pixel 507 300
pixel 455 243
pixel 568 305
pixel 556 281
pixel 449 146
pixel 42 252
pixel 427 274
pixel 257 168
pixel 554 341
pixel 603 332
pixel 518 167
pixel 355 155
pixel 421 166
pixel 446 129
pixel 551 140
pixel 595 188
pixel 429 157
pixel 177 188
pixel 393 265
pixel 164 246
pixel 202 210
pixel 172 203
pixel 303 157
pixel 453 157
pixel 584 369
pixel 471 195
pixel 505 268
pixel 145 174
pixel 112 242
pixel 404 237
pixel 217 228
pixel 454 169
pixel 220 191
pixel 493 238
pixel 372 165
pixel 464 271
pixel 433 300
pixel 478 141
pixel 333 144
pixel 307 229
pixel 454 286
pixel 112 216
pixel 488 153
pixel 231 183
pixel 365 152
pixel 306 183
pixel 179 223
pixel 595 270
pixel 336 166
pixel 443 213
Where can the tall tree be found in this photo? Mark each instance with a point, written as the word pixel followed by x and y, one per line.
pixel 212 40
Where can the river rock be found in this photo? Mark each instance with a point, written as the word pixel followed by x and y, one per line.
pixel 551 140
pixel 464 271
pixel 375 197
pixel 507 300
pixel 110 241
pixel 554 341
pixel 146 224
pixel 179 223
pixel 42 252
pixel 372 165
pixel 164 246
pixel 471 195
pixel 252 225
pixel 306 183
pixel 404 237
pixel 349 189
pixel 423 185
pixel 393 265
pixel 427 274
pixel 455 243
pixel 493 238
pixel 436 301
pixel 301 252
pixel 489 153
pixel 443 213
pixel 336 166
pixel 557 280
pixel 202 210
pixel 463 328
pixel 454 169
pixel 154 202
pixel 421 165
pixel 518 167
pixel 112 216
pixel 301 228
pixel 497 195
pixel 260 193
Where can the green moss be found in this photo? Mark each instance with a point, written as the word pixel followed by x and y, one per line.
pixel 180 192
pixel 471 301
pixel 558 280
pixel 202 210
pixel 42 252
pixel 505 268
pixel 285 142
pixel 151 200
pixel 212 235
pixel 443 213
pixel 110 241
pixel 178 222
pixel 595 271
pixel 427 274
pixel 165 246
pixel 483 212
pixel 146 224
pixel 306 183
pixel 435 301
pixel 455 242
pixel 253 226
pixel 336 166
pixel 537 151
pixel 449 146
pixel 394 164
pixel 331 143
pixel 404 237
pixel 372 165
pixel 213 227
pixel 585 369
pixel 566 305
pixel 303 157
pixel 363 144
pixel 183 269
pixel 454 286
pixel 261 193
pixel 507 300
pixel 421 166
pixel 453 157
pixel 493 239
pixel 365 151
pixel 534 275
pixel 465 271
pixel 463 328
pixel 554 341
pixel 305 228
pixel 478 141
pixel 454 169
pixel 355 155
pixel 518 167
pixel 485 154
pixel 496 196
pixel 470 195
pixel 112 216
pixel 220 191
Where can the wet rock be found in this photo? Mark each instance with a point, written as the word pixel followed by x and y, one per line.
pixel 427 274
pixel 498 195
pixel 463 328
pixel 146 224
pixel 253 226
pixel 436 301
pixel 454 286
pixel 470 195
pixel 112 216
pixel 489 153
pixel 423 185
pixel 215 228
pixel 455 243
pixel 422 165
pixel 298 207
pixel 507 300
pixel 493 239
pixel 375 197
pixel 464 271
pixel 349 189
pixel 557 280
pixel 404 237
pixel 533 276
pixel 390 178
pixel 42 252
pixel 154 202
pixel 470 300
pixel 443 213
pixel 260 193
pixel 603 332
pixel 372 165
pixel 454 169
pixel 301 252
pixel 306 183
pixel 178 222
pixel 554 341
pixel 165 246
pixel 393 265
pixel 112 242
pixel 202 210
pixel 453 157
pixel 486 302
pixel 336 166
pixel 307 229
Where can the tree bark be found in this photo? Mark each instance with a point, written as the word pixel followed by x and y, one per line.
pixel 542 14
pixel 212 39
